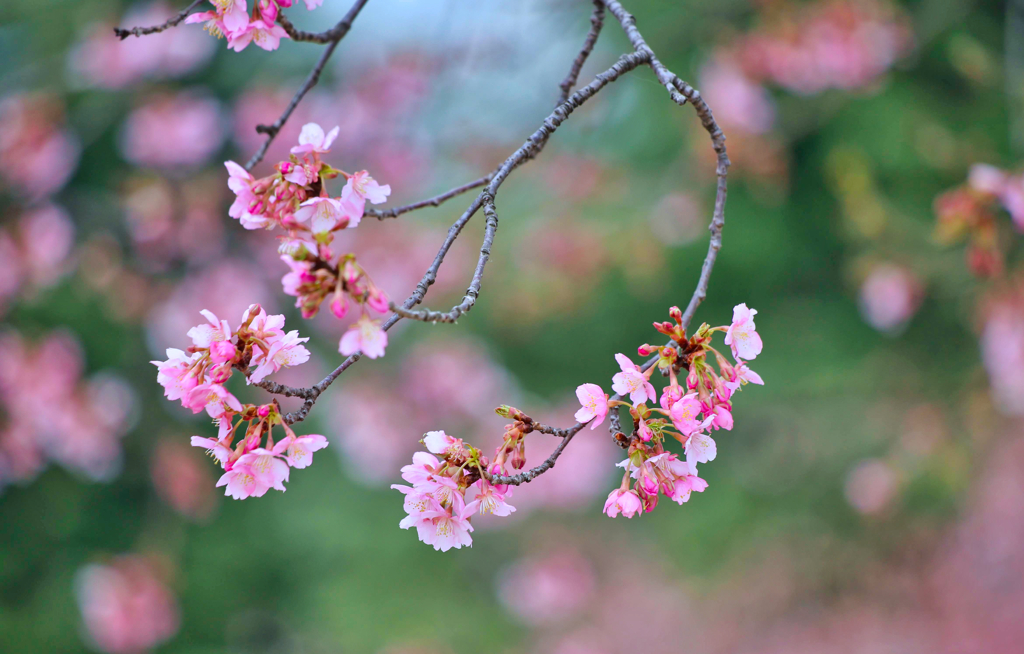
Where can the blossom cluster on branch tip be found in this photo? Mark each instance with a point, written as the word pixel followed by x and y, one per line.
pixel 970 212
pixel 436 502
pixel 196 377
pixel 231 19
pixel 295 198
pixel 687 412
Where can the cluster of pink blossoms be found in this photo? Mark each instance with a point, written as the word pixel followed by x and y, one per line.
pixel 196 377
pixel 436 501
pixel 231 19
pixel 295 198
pixel 701 404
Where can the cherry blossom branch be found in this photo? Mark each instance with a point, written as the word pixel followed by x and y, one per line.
pixel 334 34
pixel 436 201
pixel 332 38
pixel 154 29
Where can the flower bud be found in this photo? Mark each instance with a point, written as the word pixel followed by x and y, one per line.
pixel 377 300
pixel 222 351
pixel 263 411
pixel 676 315
pixel 692 378
pixel 519 455
pixel 339 305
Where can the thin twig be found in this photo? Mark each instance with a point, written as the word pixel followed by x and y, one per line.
pixel 336 33
pixel 596 21
pixel 435 201
pixel 172 22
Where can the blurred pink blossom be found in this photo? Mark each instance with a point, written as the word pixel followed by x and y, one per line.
pixel 739 101
pixel 37 155
pixel 34 251
pixel 547 589
pixel 889 297
pixel 871 486
pixel 182 479
pixel 101 60
pixel 126 607
pixel 171 131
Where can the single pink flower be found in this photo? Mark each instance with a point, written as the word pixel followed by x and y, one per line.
pixel 622 501
pixel 595 404
pixel 722 417
pixel 222 351
pixel 312 139
pixel 700 448
pixel 743 375
pixel 259 32
pixel 312 4
pixel 364 336
pixel 684 414
pixel 212 397
pixel 438 442
pixel 240 181
pixel 423 466
pixel 670 395
pixel 175 374
pixel 212 331
pixel 267 466
pixel 285 351
pixel 682 486
pixel 450 528
pixel 361 187
pixel 214 24
pixel 631 381
pixel 214 448
pixel 321 214
pixel 241 482
pixel 491 500
pixel 741 335
pixel 300 449
pixel 234 13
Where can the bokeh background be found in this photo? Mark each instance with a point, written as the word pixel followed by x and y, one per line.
pixel 868 499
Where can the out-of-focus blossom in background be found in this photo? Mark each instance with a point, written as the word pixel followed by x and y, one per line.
pixel 101 61
pixel 173 131
pixel 547 589
pixel 889 297
pixel 37 153
pixel 871 486
pixel 183 479
pixel 1002 349
pixel 126 605
pixel 51 413
pixel 34 252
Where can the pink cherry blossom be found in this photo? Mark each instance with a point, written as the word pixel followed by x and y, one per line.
pixel 213 331
pixel 37 157
pixel 321 214
pixel 450 528
pixel 595 404
pixel 364 336
pixel 684 414
pixel 212 22
pixel 361 187
pixel 312 4
pixel 266 36
pixel 492 500
pixel 285 351
pixel 313 140
pixel 423 466
pixel 743 375
pixel 222 351
pixel 212 397
pixel 300 449
pixel 172 131
pixel 214 448
pixel 631 381
pixel 241 181
pixel 266 465
pixel 438 442
pixel 700 448
pixel 682 486
pixel 241 482
pixel 622 501
pixel 741 335
pixel 174 373
pixel 889 297
pixel 126 606
pixel 721 417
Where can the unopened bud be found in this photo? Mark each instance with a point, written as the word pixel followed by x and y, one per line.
pixel 519 456
pixel 645 350
pixel 692 378
pixel 676 314
pixel 339 305
pixel 263 411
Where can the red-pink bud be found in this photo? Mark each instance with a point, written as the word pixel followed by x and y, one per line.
pixel 263 411
pixel 339 305
pixel 645 350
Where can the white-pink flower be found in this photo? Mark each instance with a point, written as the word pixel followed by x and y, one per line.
pixel 631 381
pixel 214 330
pixel 682 486
pixel 285 351
pixel 438 442
pixel 212 397
pixel 594 403
pixel 175 374
pixel 364 336
pixel 626 502
pixel 259 32
pixel 361 187
pixel 684 414
pixel 741 335
pixel 491 500
pixel 300 449
pixel 743 375
pixel 241 482
pixel 266 465
pixel 313 139
pixel 423 466
pixel 214 448
pixel 700 448
pixel 321 214
pixel 241 181
pixel 234 13
pixel 449 528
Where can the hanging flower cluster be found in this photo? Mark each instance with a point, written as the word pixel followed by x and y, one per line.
pixel 436 501
pixel 687 412
pixel 970 211
pixel 295 198
pixel 231 19
pixel 196 377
